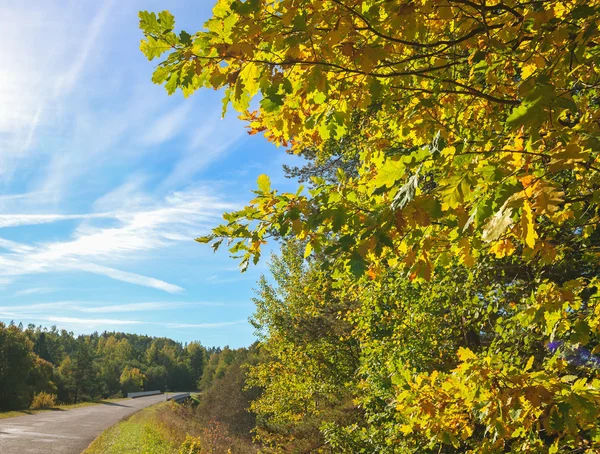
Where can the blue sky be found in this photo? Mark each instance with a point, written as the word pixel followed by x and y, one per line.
pixel 106 180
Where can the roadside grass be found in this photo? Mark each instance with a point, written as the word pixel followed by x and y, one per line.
pixel 163 429
pixel 15 413
pixel 141 432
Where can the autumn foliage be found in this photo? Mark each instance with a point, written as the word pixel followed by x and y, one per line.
pixel 462 248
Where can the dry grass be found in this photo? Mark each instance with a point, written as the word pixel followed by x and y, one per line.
pixel 179 421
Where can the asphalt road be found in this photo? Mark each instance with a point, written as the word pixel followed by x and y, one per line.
pixel 65 431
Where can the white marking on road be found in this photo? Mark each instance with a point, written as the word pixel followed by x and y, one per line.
pixel 15 432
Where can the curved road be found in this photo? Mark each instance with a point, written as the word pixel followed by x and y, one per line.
pixel 65 431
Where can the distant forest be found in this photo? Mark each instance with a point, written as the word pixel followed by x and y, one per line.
pixel 72 369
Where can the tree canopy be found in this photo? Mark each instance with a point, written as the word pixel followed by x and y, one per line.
pixel 461 226
pixel 90 367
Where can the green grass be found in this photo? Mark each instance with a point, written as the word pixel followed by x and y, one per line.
pixel 12 414
pixel 163 428
pixel 139 433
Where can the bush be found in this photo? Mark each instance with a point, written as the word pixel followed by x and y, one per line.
pixel 43 400
pixel 191 445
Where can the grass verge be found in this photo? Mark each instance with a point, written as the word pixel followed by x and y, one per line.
pixel 138 433
pixel 15 413
pixel 165 428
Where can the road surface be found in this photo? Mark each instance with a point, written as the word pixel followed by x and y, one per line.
pixel 65 431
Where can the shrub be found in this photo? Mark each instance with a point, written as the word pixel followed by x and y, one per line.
pixel 43 400
pixel 191 445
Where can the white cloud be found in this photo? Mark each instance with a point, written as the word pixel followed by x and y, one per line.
pixel 140 307
pixel 15 247
pixel 42 63
pixel 92 322
pixel 89 148
pixel 14 220
pixel 204 325
pixel 111 323
pixel 35 291
pixel 167 126
pixel 131 278
pixel 129 196
pixel 102 307
pixel 66 82
pixel 178 218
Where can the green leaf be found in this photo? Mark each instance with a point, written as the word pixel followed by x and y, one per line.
pixel 161 74
pixel 226 99
pixel 153 48
pixel 389 173
pixel 529 112
pixel 166 21
pixel 358 266
pixel 148 22
pixel 455 189
pixel 171 84
pixel 241 97
pixel 581 333
pixel 185 38
pixel 216 244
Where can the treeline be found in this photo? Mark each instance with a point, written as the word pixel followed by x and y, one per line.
pixel 71 368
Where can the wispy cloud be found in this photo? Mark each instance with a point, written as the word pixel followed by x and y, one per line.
pixel 151 306
pixel 14 220
pixel 131 278
pixel 66 82
pixel 218 280
pixel 167 126
pixel 15 247
pixel 177 218
pixel 35 291
pixel 205 325
pixel 91 322
pixel 102 307
pixel 105 175
pixel 112 323
pixel 214 139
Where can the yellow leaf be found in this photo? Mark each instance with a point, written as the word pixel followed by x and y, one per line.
pixel 405 428
pixel 249 76
pixel 528 225
pixel 528 70
pixel 548 200
pixel 464 354
pixel 308 250
pixel 264 183
pixel 560 9
pixel 503 248
pixel 468 258
pixel 519 143
pixel 433 376
pixel 529 364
